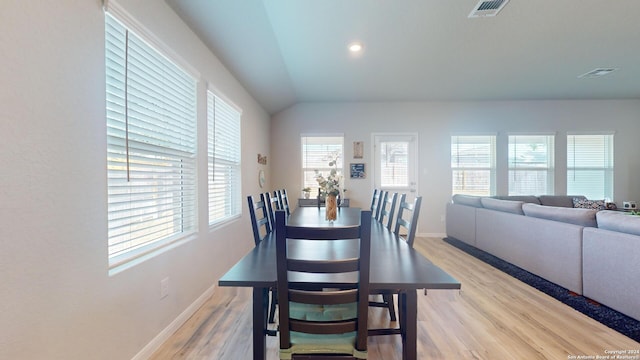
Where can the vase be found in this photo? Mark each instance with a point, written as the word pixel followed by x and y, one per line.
pixel 331 208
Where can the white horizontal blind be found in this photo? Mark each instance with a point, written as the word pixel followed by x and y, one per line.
pixel 224 159
pixel 473 164
pixel 151 144
pixel 590 165
pixel 531 166
pixel 317 152
pixel 394 164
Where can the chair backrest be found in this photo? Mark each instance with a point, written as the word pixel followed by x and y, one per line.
pixel 260 220
pixel 352 293
pixel 387 209
pixel 375 202
pixel 382 198
pixel 283 200
pixel 273 204
pixel 408 218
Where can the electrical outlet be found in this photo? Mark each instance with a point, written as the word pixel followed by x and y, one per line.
pixel 442 218
pixel 164 288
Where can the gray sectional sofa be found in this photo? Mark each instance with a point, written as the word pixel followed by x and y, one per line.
pixel 590 252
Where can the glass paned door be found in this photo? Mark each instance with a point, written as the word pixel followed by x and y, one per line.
pixel 395 163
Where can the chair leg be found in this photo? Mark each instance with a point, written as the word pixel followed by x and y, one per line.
pixel 272 306
pixel 388 299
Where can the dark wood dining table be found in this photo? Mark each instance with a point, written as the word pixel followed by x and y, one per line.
pixel 394 266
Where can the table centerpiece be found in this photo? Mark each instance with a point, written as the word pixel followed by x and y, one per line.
pixel 330 188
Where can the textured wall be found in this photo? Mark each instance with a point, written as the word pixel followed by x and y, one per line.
pixel 435 122
pixel 57 300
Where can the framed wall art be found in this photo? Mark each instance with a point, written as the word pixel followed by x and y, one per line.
pixel 357 171
pixel 358 149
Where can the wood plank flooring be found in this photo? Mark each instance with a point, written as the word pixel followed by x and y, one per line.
pixel 494 316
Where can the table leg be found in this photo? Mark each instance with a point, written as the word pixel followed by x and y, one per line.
pixel 408 301
pixel 260 310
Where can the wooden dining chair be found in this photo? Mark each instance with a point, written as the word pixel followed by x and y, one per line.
pixel 331 323
pixel 283 200
pixel 380 210
pixel 407 219
pixel 373 199
pixel 405 229
pixel 387 209
pixel 375 202
pixel 261 226
pixel 273 204
pixel 259 214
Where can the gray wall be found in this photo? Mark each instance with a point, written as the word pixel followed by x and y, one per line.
pixel 435 122
pixel 57 300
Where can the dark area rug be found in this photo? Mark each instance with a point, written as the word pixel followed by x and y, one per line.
pixel 605 315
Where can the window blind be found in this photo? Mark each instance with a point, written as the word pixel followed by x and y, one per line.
pixel 531 166
pixel 590 165
pixel 317 151
pixel 473 164
pixel 394 164
pixel 151 143
pixel 224 159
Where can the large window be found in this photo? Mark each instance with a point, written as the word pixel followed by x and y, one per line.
pixel 224 159
pixel 531 166
pixel 317 151
pixel 473 165
pixel 590 165
pixel 151 145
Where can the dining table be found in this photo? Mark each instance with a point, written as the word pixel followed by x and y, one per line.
pixel 395 266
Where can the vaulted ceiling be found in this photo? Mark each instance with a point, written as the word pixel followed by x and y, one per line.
pixel 290 51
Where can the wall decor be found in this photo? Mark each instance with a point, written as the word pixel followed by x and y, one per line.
pixel 261 178
pixel 358 149
pixel 357 171
pixel 262 159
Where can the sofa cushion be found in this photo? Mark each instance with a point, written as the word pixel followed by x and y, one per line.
pixel 524 198
pixel 619 221
pixel 510 206
pixel 467 200
pixel 582 217
pixel 589 204
pixel 559 200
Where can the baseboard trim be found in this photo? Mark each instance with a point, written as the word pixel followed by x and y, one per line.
pixel 165 334
pixel 433 235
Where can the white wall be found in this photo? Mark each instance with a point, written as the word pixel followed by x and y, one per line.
pixel 57 300
pixel 435 122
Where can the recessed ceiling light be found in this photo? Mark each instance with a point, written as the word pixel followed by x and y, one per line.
pixel 597 72
pixel 355 47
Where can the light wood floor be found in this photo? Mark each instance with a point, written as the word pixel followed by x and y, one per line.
pixel 494 317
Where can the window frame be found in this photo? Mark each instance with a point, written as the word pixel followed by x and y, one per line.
pixel 492 168
pixel 185 148
pixel 608 169
pixel 232 200
pixel 326 169
pixel 549 169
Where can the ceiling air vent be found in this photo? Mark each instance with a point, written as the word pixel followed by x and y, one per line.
pixel 486 8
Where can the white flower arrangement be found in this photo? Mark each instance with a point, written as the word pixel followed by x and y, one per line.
pixel 331 184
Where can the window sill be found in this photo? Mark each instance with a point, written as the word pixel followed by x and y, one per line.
pixel 120 263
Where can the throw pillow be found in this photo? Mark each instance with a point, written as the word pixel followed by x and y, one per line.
pixel 589 204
